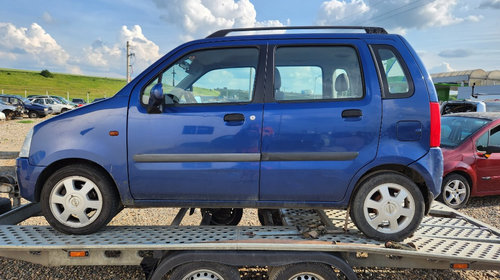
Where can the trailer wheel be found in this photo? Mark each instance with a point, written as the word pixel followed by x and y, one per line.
pixel 387 206
pixel 5 205
pixel 303 271
pixel 269 217
pixel 224 216
pixel 204 271
pixel 79 199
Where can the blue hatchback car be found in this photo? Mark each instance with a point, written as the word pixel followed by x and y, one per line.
pixel 309 120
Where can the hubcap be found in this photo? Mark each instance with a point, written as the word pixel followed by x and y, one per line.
pixel 75 201
pixel 306 276
pixel 203 274
pixel 389 208
pixel 455 192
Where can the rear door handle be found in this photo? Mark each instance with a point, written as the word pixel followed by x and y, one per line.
pixel 236 117
pixel 352 113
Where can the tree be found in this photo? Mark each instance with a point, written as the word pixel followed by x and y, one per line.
pixel 46 73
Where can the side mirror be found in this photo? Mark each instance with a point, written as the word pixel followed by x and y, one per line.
pixel 155 99
pixel 492 149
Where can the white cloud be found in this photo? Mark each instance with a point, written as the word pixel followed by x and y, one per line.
pixel 111 57
pixel 199 18
pixel 334 11
pixel 397 15
pixel 47 18
pixel 32 44
pixel 441 68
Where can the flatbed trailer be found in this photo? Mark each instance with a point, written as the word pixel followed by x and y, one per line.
pixel 446 239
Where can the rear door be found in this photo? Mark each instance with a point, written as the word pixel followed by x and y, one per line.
pixel 321 121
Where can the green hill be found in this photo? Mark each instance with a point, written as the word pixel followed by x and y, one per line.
pixel 22 82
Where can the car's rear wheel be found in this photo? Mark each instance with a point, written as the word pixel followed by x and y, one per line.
pixel 9 115
pixel 455 191
pixel 79 199
pixel 387 206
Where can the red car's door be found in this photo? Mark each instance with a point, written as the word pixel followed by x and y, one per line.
pixel 488 168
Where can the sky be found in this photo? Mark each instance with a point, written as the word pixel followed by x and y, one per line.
pixel 89 37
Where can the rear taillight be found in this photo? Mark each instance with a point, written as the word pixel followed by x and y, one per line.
pixel 435 139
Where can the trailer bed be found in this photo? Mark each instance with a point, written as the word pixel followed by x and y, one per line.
pixel 446 238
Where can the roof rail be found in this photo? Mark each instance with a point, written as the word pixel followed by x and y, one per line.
pixel 368 29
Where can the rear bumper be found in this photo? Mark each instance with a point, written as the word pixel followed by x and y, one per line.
pixel 431 168
pixel 27 176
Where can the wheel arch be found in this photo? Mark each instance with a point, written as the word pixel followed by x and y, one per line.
pixel 53 167
pixel 401 169
pixel 463 173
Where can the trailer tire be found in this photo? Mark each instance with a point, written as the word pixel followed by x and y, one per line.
pixel 79 199
pixel 387 206
pixel 312 271
pixel 204 270
pixel 224 216
pixel 5 205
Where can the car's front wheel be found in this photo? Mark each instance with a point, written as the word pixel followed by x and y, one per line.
pixel 33 114
pixel 79 199
pixel 387 206
pixel 456 191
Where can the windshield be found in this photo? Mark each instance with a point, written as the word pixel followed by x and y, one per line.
pixel 454 130
pixel 26 100
pixel 492 106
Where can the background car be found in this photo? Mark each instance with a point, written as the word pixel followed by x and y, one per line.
pixel 10 111
pixel 462 106
pixel 55 104
pixel 471 150
pixel 31 109
pixel 78 101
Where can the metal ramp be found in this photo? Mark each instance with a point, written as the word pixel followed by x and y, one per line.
pixel 445 238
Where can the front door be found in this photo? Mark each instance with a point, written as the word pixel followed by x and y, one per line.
pixel 487 168
pixel 323 123
pixel 205 144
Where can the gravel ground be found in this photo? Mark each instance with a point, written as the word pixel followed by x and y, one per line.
pixel 11 138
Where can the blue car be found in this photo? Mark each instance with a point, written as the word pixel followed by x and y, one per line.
pixel 33 110
pixel 307 120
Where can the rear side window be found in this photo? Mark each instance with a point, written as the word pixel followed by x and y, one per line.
pixel 317 73
pixel 396 79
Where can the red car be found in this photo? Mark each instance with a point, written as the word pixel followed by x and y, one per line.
pixel 471 150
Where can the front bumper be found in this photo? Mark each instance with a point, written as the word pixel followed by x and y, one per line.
pixel 27 177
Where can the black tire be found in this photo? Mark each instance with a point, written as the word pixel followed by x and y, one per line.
pixel 33 114
pixel 273 217
pixel 455 191
pixel 300 271
pixel 9 115
pixel 204 270
pixel 5 205
pixel 99 190
pixel 224 216
pixel 396 217
pixel 63 110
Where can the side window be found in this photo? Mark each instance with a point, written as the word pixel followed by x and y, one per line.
pixel 208 77
pixel 490 138
pixel 495 137
pixel 317 73
pixel 482 142
pixel 395 76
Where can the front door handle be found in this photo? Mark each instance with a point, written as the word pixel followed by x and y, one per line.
pixel 236 117
pixel 352 113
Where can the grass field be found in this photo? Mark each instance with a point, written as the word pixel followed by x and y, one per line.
pixel 23 82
